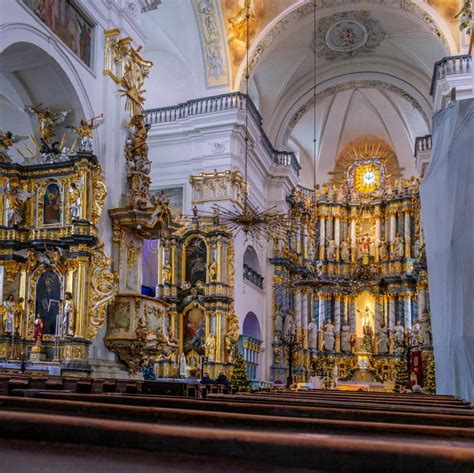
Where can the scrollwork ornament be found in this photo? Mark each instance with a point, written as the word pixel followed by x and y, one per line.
pixel 99 194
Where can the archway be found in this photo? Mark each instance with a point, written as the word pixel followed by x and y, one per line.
pixel 250 345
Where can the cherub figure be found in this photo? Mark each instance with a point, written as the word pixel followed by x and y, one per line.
pixel 47 120
pixel 85 133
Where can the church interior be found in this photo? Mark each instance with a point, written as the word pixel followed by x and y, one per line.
pixel 236 235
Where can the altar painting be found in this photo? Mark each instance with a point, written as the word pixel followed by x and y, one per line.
pixel 48 297
pixel 196 261
pixel 52 205
pixel 194 332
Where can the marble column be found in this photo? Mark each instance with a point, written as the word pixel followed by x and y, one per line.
pixel 407 310
pixel 353 239
pixel 337 320
pixel 321 321
pixel 407 233
pixel 322 237
pixel 337 235
pixel 391 311
pixel 352 314
pixel 393 229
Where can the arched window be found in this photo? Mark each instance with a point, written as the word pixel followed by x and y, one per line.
pixel 250 344
pixel 252 271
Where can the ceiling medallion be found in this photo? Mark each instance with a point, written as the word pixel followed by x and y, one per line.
pixel 348 33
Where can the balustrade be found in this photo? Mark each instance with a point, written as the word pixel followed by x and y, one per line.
pixel 448 66
pixel 252 276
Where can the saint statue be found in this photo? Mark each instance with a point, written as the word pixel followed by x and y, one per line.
pixel 331 249
pixel 367 319
pixel 346 250
pixel 398 338
pixel 418 248
pixel 398 247
pixel 365 244
pixel 425 329
pixel 167 273
pixel 9 315
pixel 415 333
pixel 278 320
pixel 383 251
pixel 19 316
pixel 69 313
pixel 211 347
pixel 383 340
pixel 329 334
pixel 75 200
pixel 345 338
pixel 312 335
pixel 38 330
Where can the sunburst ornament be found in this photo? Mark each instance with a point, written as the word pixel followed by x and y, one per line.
pixel 367 178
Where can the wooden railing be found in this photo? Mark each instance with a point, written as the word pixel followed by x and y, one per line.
pixel 221 103
pixel 448 66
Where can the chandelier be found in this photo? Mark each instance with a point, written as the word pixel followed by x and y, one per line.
pixel 268 224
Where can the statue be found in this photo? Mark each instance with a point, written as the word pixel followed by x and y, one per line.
pixel 69 315
pixel 75 200
pixel 383 251
pixel 211 347
pixel 139 147
pixel 419 248
pixel 38 330
pixel 346 250
pixel 367 319
pixel 383 340
pixel 415 332
pixel 329 334
pixel 213 271
pixel 399 338
pixel 85 133
pixel 278 320
pixel 232 337
pixel 425 329
pixel 398 247
pixel 9 315
pixel 183 367
pixel 47 120
pixel 15 202
pixel 289 324
pixel 345 338
pixel 7 139
pixel 312 335
pixel 365 244
pixel 167 273
pixel 331 249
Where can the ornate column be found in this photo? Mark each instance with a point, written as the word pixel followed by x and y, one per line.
pixel 337 320
pixel 353 218
pixel 81 295
pixel 407 233
pixel 391 318
pixel 219 259
pixel 393 227
pixel 337 232
pixel 408 314
pixel 378 215
pixel 322 237
pixel 352 313
pixel 321 320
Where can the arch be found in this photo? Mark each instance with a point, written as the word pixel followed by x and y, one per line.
pixel 251 259
pixel 251 326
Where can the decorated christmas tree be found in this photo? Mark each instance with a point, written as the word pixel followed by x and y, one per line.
pixel 401 376
pixel 149 373
pixel 430 382
pixel 239 376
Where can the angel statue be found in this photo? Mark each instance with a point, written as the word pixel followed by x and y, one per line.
pixel 7 139
pixel 47 120
pixel 15 200
pixel 85 133
pixel 75 200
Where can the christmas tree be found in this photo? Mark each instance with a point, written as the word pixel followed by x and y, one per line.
pixel 430 383
pixel 401 376
pixel 239 376
pixel 149 373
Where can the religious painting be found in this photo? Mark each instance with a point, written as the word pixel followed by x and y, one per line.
pixel 52 205
pixel 194 332
pixel 64 19
pixel 196 261
pixel 175 198
pixel 48 297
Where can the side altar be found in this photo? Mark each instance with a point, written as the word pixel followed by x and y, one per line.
pixel 55 277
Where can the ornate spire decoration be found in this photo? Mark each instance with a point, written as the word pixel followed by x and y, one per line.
pixel 465 17
pixel 249 219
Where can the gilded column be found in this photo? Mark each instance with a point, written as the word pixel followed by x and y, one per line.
pixel 81 295
pixel 173 264
pixel 219 259
pixel 377 231
pixel 337 233
pixel 160 264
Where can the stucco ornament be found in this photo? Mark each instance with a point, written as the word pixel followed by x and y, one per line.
pixel 346 34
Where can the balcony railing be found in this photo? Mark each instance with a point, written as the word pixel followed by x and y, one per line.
pixel 422 143
pixel 252 276
pixel 220 103
pixel 449 66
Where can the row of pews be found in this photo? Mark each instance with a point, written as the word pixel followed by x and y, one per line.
pixel 318 431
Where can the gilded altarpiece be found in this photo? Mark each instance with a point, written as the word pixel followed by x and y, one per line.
pixel 55 269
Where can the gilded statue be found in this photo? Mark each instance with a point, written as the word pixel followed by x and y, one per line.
pixel 85 133
pixel 346 250
pixel 211 347
pixel 47 120
pixel 232 337
pixel 213 271
pixel 383 251
pixel 75 204
pixel 167 273
pixel 7 139
pixel 15 202
pixel 19 316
